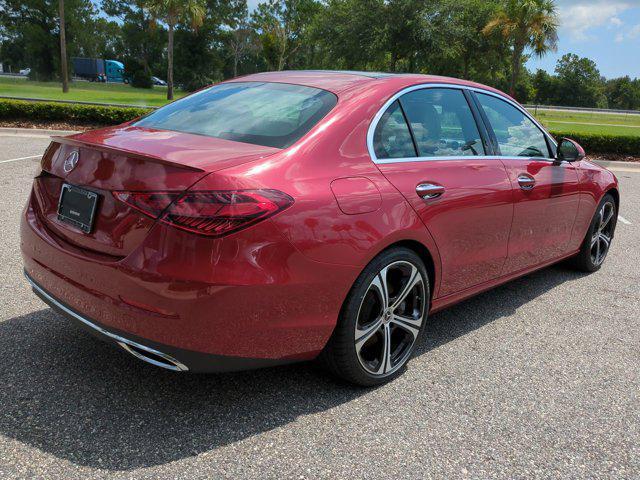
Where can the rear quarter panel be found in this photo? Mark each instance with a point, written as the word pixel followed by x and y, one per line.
pixel 335 149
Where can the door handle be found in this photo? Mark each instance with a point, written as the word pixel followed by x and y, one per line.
pixel 429 190
pixel 526 181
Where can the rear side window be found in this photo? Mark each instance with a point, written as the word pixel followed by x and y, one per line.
pixel 517 135
pixel 261 113
pixel 392 138
pixel 442 123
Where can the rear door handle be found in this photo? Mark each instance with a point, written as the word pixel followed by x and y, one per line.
pixel 526 181
pixel 429 190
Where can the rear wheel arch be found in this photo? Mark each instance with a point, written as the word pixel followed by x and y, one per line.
pixel 416 247
pixel 342 354
pixel 425 255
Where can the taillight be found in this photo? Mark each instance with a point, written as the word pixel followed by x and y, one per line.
pixel 149 203
pixel 211 213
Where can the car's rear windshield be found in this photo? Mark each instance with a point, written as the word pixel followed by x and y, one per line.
pixel 262 113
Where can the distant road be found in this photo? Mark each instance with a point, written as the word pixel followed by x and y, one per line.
pixel 13 75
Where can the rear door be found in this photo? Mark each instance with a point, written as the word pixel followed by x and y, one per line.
pixel 545 191
pixel 428 144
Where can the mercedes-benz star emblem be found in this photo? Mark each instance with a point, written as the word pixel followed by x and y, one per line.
pixel 71 161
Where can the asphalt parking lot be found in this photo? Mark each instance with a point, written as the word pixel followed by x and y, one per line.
pixel 538 378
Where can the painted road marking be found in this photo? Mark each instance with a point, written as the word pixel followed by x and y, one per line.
pixel 21 158
pixel 624 220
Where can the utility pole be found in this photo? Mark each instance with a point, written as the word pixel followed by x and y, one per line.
pixel 63 51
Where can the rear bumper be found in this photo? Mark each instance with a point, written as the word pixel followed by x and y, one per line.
pixel 164 356
pixel 244 301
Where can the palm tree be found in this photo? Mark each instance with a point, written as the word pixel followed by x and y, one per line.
pixel 63 50
pixel 174 12
pixel 525 24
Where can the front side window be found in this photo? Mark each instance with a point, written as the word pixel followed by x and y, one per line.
pixel 392 138
pixel 517 135
pixel 261 113
pixel 442 123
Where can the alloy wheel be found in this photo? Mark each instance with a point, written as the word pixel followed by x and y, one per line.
pixel 390 317
pixel 603 233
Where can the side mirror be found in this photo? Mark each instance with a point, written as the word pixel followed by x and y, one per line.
pixel 569 150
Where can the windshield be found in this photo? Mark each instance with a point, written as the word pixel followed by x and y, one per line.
pixel 262 113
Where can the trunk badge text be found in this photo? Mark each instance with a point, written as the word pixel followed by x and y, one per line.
pixel 71 161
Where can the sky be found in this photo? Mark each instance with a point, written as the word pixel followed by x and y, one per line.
pixel 606 31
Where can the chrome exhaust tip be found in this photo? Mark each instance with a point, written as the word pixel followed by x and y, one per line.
pixel 149 355
pixel 146 354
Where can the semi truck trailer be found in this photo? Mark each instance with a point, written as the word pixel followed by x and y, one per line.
pixel 99 70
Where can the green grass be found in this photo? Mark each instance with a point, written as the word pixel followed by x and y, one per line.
pixel 597 129
pixel 587 122
pixel 595 117
pixel 86 92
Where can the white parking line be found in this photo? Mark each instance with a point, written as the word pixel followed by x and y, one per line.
pixel 21 158
pixel 624 220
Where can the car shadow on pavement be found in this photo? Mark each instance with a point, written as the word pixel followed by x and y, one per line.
pixel 82 400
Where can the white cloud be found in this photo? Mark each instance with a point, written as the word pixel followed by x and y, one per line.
pixel 580 17
pixel 615 22
pixel 633 33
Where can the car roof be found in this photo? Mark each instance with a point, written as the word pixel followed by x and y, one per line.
pixel 338 81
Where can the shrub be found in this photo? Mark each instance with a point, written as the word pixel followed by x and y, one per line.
pixel 196 82
pixel 137 73
pixel 603 143
pixel 141 79
pixel 68 112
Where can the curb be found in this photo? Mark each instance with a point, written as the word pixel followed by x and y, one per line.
pixel 618 166
pixel 33 132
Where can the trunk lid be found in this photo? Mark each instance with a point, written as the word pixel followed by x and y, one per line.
pixel 131 159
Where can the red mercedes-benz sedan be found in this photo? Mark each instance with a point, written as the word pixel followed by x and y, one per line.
pixel 285 216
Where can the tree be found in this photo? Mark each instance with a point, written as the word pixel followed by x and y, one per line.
pixel 173 13
pixel 579 82
pixel 546 88
pixel 135 36
pixel 458 46
pixel 30 33
pixel 623 93
pixel 403 33
pixel 443 37
pixel 282 26
pixel 240 42
pixel 63 50
pixel 351 34
pixel 202 55
pixel 525 24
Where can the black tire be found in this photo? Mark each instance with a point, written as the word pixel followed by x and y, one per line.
pixel 585 261
pixel 341 357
